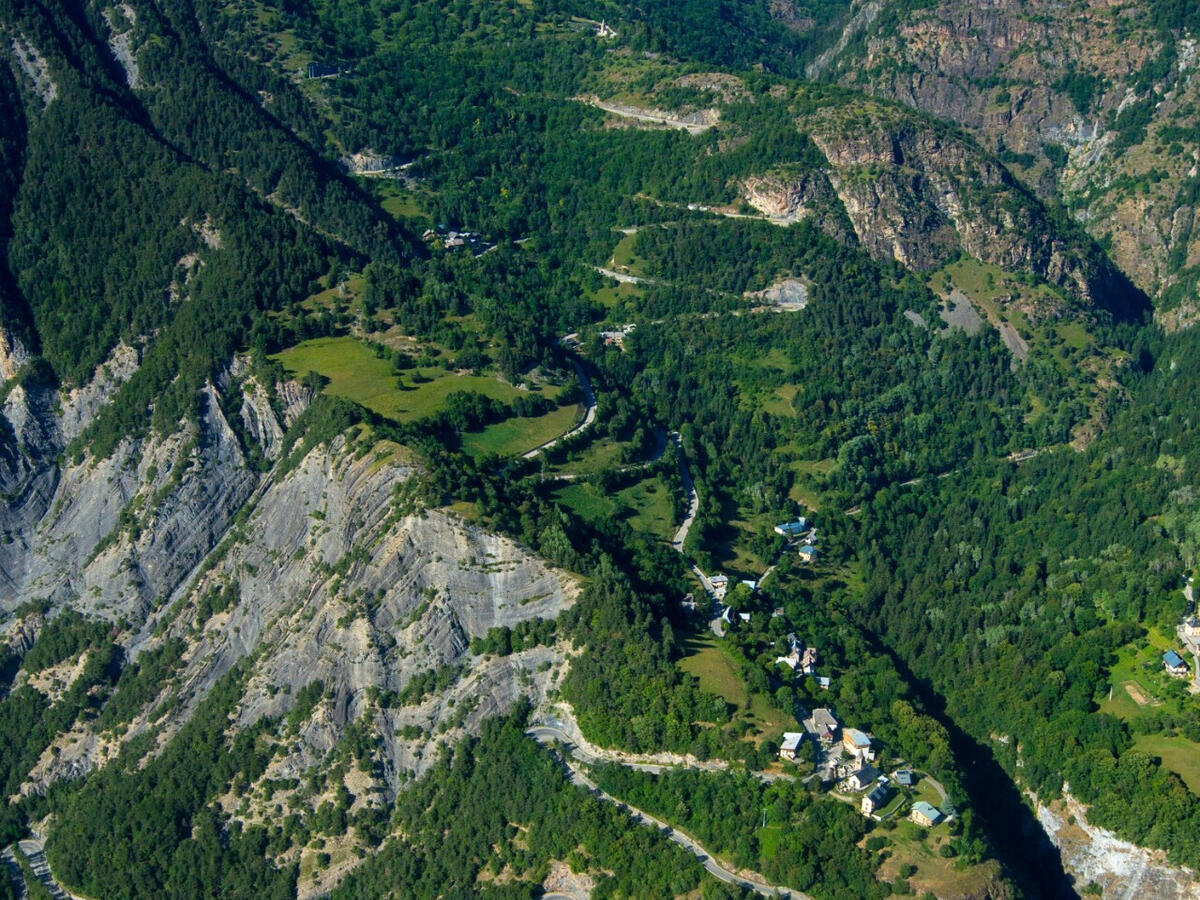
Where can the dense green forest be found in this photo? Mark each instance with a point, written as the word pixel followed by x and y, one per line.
pixel 971 608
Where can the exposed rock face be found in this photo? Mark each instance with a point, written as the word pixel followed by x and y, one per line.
pixel 1027 75
pixel 332 580
pixel 921 194
pixel 791 197
pixel 13 356
pixel 1121 869
pixel 34 67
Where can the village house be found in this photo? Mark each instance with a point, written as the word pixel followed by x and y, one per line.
pixel 808 660
pixel 792 529
pixel 1191 627
pixel 808 553
pixel 857 743
pixel 823 725
pixel 862 778
pixel 875 799
pixel 1174 664
pixel 720 584
pixel 791 743
pixel 905 777
pixel 824 682
pixel 925 814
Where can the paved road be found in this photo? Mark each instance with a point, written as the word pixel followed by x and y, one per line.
pixel 36 854
pixel 589 415
pixel 693 503
pixel 623 277
pixel 641 115
pixel 546 734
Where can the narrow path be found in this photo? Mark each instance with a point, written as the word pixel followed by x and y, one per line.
pixel 745 879
pixel 589 415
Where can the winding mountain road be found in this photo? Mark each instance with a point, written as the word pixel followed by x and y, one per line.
pixel 548 735
pixel 33 851
pixel 589 416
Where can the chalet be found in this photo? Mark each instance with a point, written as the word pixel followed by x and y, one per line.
pixel 792 529
pixel 808 553
pixel 824 682
pixel 1174 664
pixel 808 660
pixel 791 743
pixel 905 777
pixel 875 799
pixel 925 814
pixel 1191 627
pixel 720 584
pixel 857 743
pixel 823 725
pixel 862 778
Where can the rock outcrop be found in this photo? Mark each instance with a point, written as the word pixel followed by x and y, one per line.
pixel 333 578
pixel 1091 105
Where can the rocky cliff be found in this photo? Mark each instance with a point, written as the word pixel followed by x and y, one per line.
pixel 1092 105
pixel 326 575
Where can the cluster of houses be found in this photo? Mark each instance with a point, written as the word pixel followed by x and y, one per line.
pixel 617 338
pixel 858 774
pixel 456 240
pixel 803 660
pixel 800 531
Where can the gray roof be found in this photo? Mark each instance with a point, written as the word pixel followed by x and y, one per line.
pixel 879 793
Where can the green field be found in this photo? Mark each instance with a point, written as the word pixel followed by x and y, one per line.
pixel 1178 754
pixel 780 401
pixel 624 258
pixel 715 670
pixel 646 505
pixel 598 457
pixel 356 373
pixel 519 435
pixel 585 501
pixel 1135 689
pixel 615 296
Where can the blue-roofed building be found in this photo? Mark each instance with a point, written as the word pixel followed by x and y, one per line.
pixel 793 529
pixel 808 553
pixel 1174 664
pixel 925 814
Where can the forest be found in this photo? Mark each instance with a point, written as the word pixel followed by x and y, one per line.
pixel 972 607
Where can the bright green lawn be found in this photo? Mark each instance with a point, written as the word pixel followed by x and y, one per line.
pixel 585 502
pixel 356 373
pixel 652 511
pixel 715 670
pixel 1178 754
pixel 624 257
pixel 519 435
